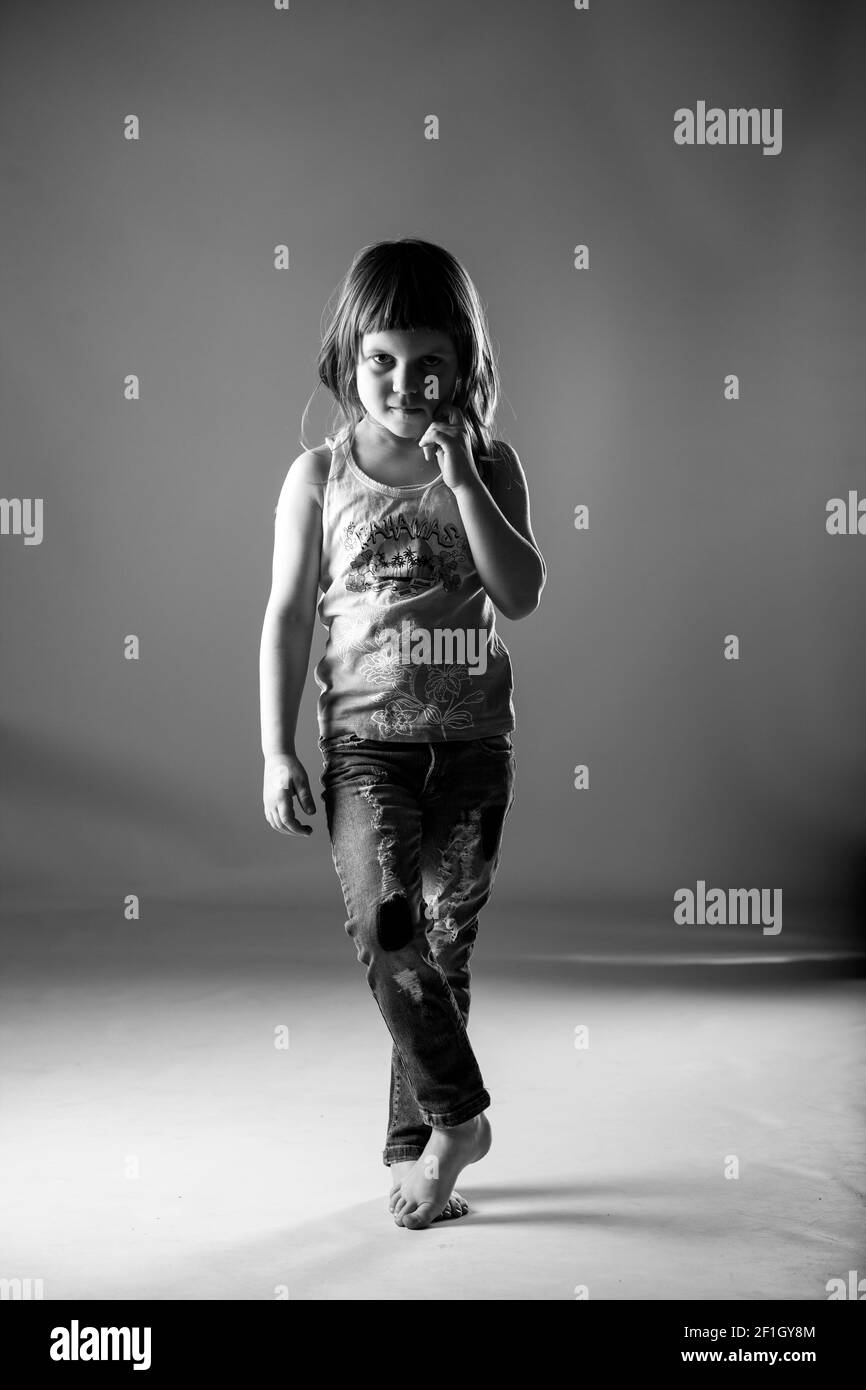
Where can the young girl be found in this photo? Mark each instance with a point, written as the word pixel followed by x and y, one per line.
pixel 414 522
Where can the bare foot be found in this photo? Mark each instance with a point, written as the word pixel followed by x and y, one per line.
pixel 454 1207
pixel 424 1190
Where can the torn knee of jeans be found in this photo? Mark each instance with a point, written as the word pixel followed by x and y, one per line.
pixel 394 926
pixel 462 845
pixel 481 830
pixel 444 927
pixel 491 828
pixel 439 905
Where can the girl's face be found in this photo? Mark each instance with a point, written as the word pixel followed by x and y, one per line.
pixel 392 370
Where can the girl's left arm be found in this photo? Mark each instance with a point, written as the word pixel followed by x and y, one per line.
pixel 506 555
pixel 499 531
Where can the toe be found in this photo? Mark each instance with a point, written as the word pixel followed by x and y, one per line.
pixel 402 1210
pixel 421 1217
pixel 454 1208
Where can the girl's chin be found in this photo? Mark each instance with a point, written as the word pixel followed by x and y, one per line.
pixel 414 421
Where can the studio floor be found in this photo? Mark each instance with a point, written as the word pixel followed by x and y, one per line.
pixel 706 1143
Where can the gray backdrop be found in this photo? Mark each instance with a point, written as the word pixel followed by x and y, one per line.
pixel 707 516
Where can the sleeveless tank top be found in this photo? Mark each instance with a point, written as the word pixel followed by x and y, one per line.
pixel 412 653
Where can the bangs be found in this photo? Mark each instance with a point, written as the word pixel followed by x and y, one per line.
pixel 405 299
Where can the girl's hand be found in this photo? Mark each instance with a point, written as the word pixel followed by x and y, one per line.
pixel 450 439
pixel 286 777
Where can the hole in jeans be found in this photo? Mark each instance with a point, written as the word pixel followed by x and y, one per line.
pixel 394 923
pixel 491 827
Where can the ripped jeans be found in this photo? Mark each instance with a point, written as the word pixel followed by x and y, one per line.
pixel 416 832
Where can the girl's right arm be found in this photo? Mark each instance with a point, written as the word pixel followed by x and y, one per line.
pixel 287 633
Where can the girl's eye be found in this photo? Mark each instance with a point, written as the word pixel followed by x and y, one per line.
pixel 387 356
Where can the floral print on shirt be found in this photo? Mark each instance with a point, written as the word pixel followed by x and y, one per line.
pixel 413 696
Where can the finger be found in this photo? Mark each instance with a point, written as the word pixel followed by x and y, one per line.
pixel 289 820
pixel 273 822
pixel 440 437
pixel 433 437
pixel 305 796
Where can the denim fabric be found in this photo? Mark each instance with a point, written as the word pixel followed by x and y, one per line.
pixel 416 833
